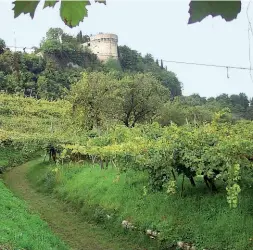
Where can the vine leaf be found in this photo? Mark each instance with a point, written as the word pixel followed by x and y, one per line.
pixel 25 7
pixel 73 12
pixel 101 1
pixel 50 3
pixel 228 10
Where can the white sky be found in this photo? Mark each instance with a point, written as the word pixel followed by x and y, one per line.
pixel 160 28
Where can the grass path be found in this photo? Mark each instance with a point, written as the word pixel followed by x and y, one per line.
pixel 61 218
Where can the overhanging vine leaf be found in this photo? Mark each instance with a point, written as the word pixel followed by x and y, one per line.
pixel 26 7
pixel 228 10
pixel 50 3
pixel 101 1
pixel 73 12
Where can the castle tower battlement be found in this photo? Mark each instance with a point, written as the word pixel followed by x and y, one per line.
pixel 105 46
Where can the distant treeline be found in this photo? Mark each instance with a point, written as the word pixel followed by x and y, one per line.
pixel 59 61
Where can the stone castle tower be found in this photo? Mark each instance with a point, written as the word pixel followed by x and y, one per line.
pixel 105 46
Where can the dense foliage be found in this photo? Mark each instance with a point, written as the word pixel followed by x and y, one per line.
pixel 61 59
pixel 196 109
pixel 192 150
pixel 219 150
pixel 29 125
pixel 99 99
pixel 131 60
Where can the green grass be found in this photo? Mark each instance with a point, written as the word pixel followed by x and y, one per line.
pixel 65 220
pixel 41 179
pixel 20 229
pixel 199 217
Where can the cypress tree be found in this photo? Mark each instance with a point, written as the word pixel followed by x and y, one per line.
pixel 162 64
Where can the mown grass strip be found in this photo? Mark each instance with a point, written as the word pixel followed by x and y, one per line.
pixel 21 229
pixel 63 219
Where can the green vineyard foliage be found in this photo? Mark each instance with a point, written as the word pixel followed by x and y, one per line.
pixel 218 149
pixel 217 146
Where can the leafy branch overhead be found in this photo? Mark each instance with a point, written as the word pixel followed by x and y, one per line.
pixel 73 12
pixel 228 10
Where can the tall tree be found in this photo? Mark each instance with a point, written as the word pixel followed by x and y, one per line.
pixel 148 59
pixel 2 46
pixel 161 64
pixel 141 97
pixel 129 59
pixel 93 99
pixel 54 34
pixel 79 37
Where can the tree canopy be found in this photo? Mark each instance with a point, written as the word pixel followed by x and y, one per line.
pixel 60 60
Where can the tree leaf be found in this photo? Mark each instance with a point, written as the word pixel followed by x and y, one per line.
pixel 50 3
pixel 201 9
pixel 101 1
pixel 25 7
pixel 73 12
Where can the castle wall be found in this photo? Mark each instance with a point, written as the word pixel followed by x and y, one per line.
pixel 104 46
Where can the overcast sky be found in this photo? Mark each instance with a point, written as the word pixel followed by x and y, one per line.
pixel 160 28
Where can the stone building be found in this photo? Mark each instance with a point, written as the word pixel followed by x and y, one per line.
pixel 104 46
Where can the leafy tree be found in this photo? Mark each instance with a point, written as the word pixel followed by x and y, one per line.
pixel 172 112
pixel 2 46
pixel 33 63
pixel 182 110
pixel 6 62
pixel 79 37
pixel 249 112
pixel 224 100
pixel 100 98
pixel 82 39
pixel 63 49
pixel 53 83
pixel 244 101
pixel 170 81
pixel 148 59
pixel 193 100
pixel 112 65
pixel 162 64
pixel 129 59
pixel 3 82
pixel 141 97
pixel 54 34
pixel 92 99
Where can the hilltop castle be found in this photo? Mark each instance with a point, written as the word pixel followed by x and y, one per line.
pixel 105 46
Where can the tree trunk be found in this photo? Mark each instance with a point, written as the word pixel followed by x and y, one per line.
pixel 182 187
pixel 101 164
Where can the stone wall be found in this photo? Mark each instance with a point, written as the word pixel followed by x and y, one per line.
pixel 104 46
